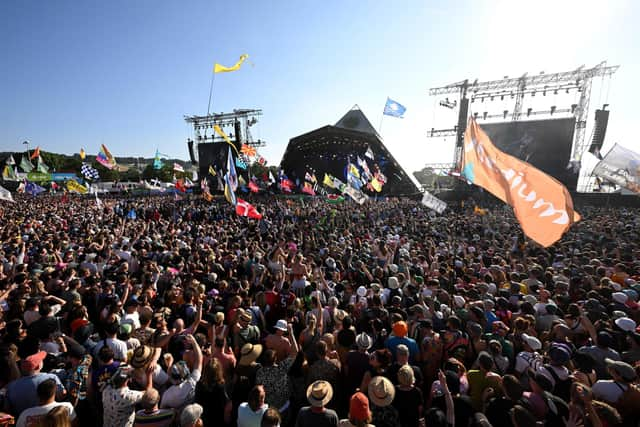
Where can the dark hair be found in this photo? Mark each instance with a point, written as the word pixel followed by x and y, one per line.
pixel 105 354
pixel 254 397
pixel 46 389
pixel 512 387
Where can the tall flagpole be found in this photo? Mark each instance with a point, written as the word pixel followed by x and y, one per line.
pixel 381 118
pixel 213 75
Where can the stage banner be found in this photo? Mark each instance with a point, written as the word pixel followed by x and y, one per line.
pixel 620 166
pixel 542 205
pixel 432 202
pixel 38 176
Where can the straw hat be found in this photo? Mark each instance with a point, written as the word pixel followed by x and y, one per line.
pixel 381 391
pixel 142 356
pixel 319 393
pixel 249 353
pixel 364 341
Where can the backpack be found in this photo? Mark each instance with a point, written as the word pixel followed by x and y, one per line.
pixel 458 347
pixel 628 403
pixel 562 388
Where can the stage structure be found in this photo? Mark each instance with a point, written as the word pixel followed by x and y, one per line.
pixel 532 132
pixel 328 150
pixel 208 148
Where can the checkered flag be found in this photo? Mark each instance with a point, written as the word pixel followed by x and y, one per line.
pixel 89 172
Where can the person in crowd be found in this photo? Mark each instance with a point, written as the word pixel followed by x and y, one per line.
pixel 119 401
pixel 151 414
pixel 319 394
pixel 250 412
pixel 359 412
pixel 47 396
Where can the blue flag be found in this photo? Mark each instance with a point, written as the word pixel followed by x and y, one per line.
pixel 33 189
pixel 393 108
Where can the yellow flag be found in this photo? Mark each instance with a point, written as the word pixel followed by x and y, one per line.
pixel 225 137
pixel 328 181
pixel 222 69
pixel 75 187
pixel 212 171
pixel 82 154
pixel 376 185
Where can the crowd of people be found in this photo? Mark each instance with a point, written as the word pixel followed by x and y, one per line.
pixel 382 314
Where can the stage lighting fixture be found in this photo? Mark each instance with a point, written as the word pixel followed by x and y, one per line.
pixel 553 109
pixel 482 99
pixel 484 115
pixel 529 111
pixel 504 114
pixel 573 108
pixel 544 93
pixel 555 92
pixel 492 98
pixel 475 115
pixel 473 99
pixel 567 90
pixel 512 95
pixel 533 93
pixel 501 97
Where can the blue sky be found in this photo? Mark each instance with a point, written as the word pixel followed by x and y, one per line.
pixel 123 73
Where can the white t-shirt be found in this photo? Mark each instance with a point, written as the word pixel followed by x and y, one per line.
pixel 32 416
pixel 248 418
pixel 119 406
pixel 119 348
pixel 182 394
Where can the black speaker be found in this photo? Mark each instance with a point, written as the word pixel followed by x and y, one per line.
pixel 191 153
pixel 238 133
pixel 599 131
pixel 462 121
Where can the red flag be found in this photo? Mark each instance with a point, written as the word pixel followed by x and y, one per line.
pixel 253 187
pixel 286 185
pixel 36 153
pixel 180 186
pixel 248 150
pixel 247 209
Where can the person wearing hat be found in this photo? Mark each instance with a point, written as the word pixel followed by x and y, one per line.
pixel 182 390
pixel 278 342
pixel 319 394
pixel 244 332
pixel 77 378
pixel 400 331
pixel 622 376
pixel 381 393
pixel 528 358
pixel 144 356
pixel 359 412
pixel 22 393
pixel 600 351
pixel 357 362
pixel 632 356
pixel 118 401
pixel 408 400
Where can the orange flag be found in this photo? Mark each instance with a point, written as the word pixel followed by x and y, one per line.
pixel 35 154
pixel 542 204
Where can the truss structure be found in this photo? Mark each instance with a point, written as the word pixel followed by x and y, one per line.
pixel 579 79
pixel 240 121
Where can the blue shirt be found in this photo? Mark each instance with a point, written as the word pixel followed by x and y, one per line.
pixel 22 393
pixel 393 342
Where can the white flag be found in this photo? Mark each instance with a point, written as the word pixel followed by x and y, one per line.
pixel 5 194
pixel 178 167
pixel 433 202
pixel 10 161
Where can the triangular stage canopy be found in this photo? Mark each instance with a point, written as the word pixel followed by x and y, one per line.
pixel 328 150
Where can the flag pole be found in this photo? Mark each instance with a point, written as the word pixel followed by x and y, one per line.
pixel 213 75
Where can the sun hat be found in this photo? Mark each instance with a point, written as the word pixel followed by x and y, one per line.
pixel 361 291
pixel 393 268
pixel 364 341
pixel 623 369
pixel 249 353
pixel 532 342
pixel 619 297
pixel 190 415
pixel 458 300
pixel 281 325
pixel 392 282
pixel 31 363
pixel 381 391
pixel 244 315
pixel 400 329
pixel 626 324
pixel 142 356
pixel 405 375
pixel 319 393
pixel 375 287
pixel 359 407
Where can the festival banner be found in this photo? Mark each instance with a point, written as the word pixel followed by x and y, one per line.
pixel 253 187
pixel 224 136
pixel 178 167
pixel 62 176
pixel 38 176
pixel 218 68
pixel 105 158
pixel 5 194
pixel 334 199
pixel 542 205
pixel 25 164
pixel 432 202
pixel 621 167
pixel 75 187
pixel 35 154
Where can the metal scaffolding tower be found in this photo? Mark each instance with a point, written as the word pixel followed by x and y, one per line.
pixel 579 79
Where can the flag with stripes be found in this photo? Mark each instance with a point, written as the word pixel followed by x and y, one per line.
pixel 89 172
